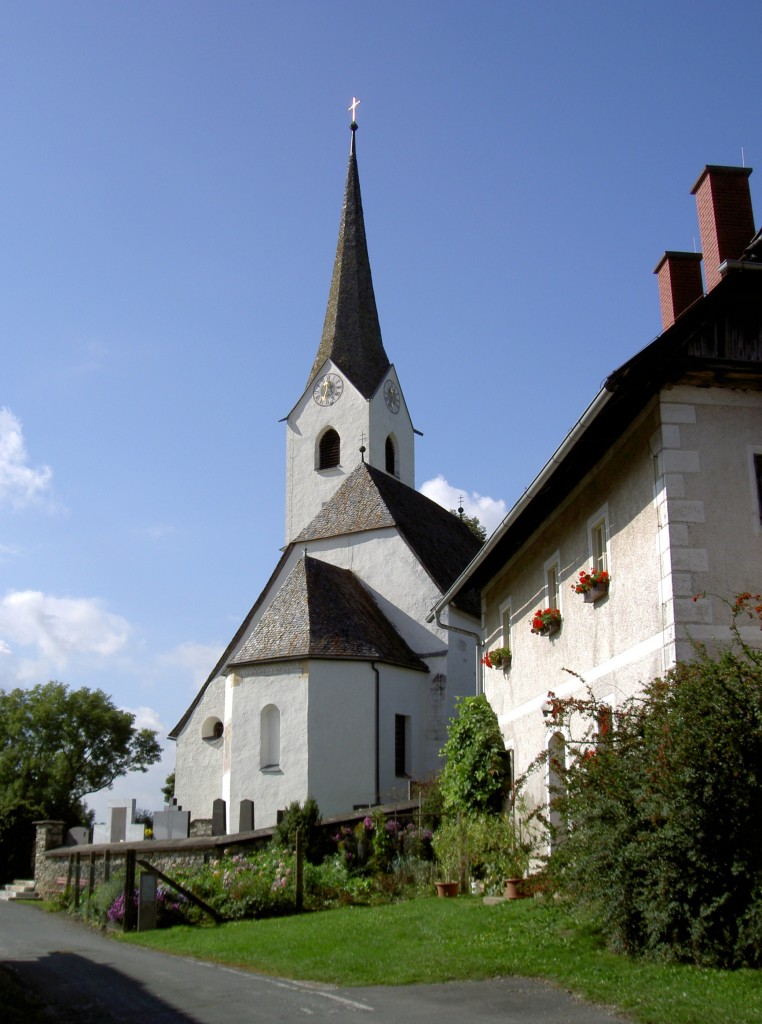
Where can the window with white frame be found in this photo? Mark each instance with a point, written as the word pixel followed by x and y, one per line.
pixel 552 588
pixel 505 625
pixel 599 542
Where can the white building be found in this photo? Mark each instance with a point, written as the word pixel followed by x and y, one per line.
pixel 335 686
pixel 659 484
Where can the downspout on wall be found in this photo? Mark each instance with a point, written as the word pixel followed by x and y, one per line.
pixel 434 615
pixel 377 737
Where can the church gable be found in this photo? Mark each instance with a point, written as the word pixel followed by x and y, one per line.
pixel 322 611
pixel 371 500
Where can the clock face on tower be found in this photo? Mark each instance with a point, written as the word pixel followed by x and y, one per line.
pixel 392 396
pixel 328 389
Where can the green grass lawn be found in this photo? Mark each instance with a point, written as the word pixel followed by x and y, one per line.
pixel 434 940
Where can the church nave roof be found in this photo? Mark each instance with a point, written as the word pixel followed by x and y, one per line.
pixel 322 611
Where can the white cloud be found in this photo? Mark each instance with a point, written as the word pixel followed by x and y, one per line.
pixel 489 511
pixel 58 630
pixel 193 659
pixel 146 718
pixel 20 484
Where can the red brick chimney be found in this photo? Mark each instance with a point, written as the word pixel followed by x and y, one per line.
pixel 726 221
pixel 679 277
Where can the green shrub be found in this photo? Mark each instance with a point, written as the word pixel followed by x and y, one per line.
pixel 474 776
pixel 260 884
pixel 307 818
pixel 333 884
pixel 661 815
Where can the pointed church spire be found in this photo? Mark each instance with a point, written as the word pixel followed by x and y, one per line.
pixel 351 332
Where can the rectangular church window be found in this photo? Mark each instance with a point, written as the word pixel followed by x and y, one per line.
pixel 402 745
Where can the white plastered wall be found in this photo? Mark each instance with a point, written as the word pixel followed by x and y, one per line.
pixel 253 688
pixel 616 644
pixel 683 518
pixel 199 761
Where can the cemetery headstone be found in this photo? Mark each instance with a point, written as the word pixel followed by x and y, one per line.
pixel 218 818
pixel 246 816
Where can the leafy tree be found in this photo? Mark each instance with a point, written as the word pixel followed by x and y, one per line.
pixel 473 523
pixel 661 806
pixel 56 746
pixel 474 777
pixel 168 789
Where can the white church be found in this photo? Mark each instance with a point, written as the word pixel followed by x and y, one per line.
pixel 336 686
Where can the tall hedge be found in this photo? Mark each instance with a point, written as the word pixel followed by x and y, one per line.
pixel 662 810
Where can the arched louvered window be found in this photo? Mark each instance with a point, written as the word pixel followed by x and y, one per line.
pixel 391 456
pixel 330 450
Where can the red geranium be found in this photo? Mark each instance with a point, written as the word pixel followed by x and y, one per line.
pixel 588 580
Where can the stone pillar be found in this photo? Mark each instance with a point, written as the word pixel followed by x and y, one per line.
pixel 49 836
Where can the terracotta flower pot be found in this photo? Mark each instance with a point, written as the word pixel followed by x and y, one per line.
pixel 447 888
pixel 512 890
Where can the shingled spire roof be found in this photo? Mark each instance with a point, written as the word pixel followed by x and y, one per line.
pixel 351 332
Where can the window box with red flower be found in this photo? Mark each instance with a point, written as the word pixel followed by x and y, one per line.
pixel 547 622
pixel 498 657
pixel 593 584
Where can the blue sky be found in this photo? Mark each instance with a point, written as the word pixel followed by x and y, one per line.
pixel 172 179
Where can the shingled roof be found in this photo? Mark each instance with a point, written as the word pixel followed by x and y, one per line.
pixel 351 332
pixel 322 611
pixel 370 499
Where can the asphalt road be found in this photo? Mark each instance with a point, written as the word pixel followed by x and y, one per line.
pixel 90 979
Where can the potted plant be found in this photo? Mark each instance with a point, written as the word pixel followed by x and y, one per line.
pixel 498 657
pixel 547 622
pixel 593 584
pixel 450 846
pixel 501 853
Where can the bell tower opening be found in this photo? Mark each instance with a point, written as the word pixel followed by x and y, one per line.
pixel 329 450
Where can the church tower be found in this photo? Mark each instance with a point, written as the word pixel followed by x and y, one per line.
pixel 352 409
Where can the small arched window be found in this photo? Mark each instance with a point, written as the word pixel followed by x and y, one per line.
pixel 212 729
pixel 269 740
pixel 329 453
pixel 391 456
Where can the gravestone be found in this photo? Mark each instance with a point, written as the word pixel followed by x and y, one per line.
pixel 117 824
pixel 246 816
pixel 147 906
pixel 120 824
pixel 77 836
pixel 218 818
pixel 171 823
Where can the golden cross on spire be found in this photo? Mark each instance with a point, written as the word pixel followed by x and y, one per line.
pixel 353 107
